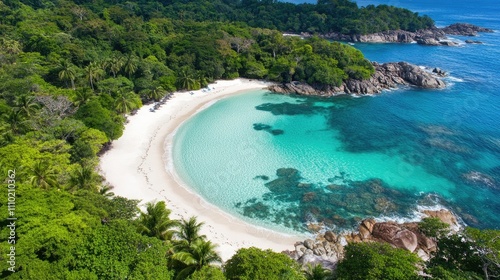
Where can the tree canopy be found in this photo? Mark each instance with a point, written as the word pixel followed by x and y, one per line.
pixel 72 71
pixel 256 264
pixel 376 261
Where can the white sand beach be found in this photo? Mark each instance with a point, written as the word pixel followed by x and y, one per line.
pixel 136 166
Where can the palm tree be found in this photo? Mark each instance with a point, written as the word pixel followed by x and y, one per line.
pixel 67 73
pixel 131 65
pixel 156 222
pixel 201 80
pixel 26 105
pixel 199 254
pixel 82 96
pixel 43 176
pixel 185 80
pixel 83 178
pixel 15 119
pixel 6 135
pixel 93 73
pixel 106 191
pixel 125 102
pixel 317 272
pixel 114 65
pixel 189 231
pixel 157 93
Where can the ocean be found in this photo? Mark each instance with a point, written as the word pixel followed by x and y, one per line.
pixel 286 162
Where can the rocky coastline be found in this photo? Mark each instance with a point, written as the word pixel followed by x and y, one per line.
pixel 328 247
pixel 386 76
pixel 432 36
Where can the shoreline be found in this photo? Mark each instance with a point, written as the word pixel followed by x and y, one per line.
pixel 139 166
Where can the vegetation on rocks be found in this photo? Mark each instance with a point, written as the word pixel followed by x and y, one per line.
pixel 71 72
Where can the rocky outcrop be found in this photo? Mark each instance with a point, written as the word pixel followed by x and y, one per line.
pixel 328 248
pixel 321 250
pixel 391 36
pixel 386 76
pixel 396 236
pixel 431 36
pixel 465 29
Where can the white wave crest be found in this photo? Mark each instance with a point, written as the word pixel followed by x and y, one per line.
pixel 454 79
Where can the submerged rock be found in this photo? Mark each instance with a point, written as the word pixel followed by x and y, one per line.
pixel 477 177
pixel 473 42
pixel 446 145
pixel 439 72
pixel 288 172
pixel 277 131
pixel 263 177
pixel 268 128
pixel 386 76
pixel 261 126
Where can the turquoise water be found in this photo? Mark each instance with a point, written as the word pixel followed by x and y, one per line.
pixel 284 161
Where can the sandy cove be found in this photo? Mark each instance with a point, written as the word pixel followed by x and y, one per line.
pixel 139 166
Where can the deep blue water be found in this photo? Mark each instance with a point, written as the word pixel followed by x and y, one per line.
pixel 470 106
pixel 283 161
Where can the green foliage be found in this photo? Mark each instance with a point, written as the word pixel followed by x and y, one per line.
pixel 94 115
pixel 115 251
pixel 326 16
pixel 376 261
pixel 455 253
pixel 44 164
pixel 200 253
pixel 88 144
pixel 189 231
pixel 191 251
pixel 115 85
pixel 208 273
pixel 116 208
pixel 155 222
pixel 487 244
pixel 48 231
pixel 126 102
pixel 256 264
pixel 83 177
pixel 317 272
pixel 475 254
pixel 43 175
pixel 440 273
pixel 433 227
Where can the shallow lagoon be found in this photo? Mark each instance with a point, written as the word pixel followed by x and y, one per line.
pixel 336 161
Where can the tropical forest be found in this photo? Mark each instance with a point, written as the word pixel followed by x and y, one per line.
pixel 73 71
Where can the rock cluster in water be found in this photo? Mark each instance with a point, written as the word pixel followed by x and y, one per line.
pixel 386 76
pixel 431 36
pixel 465 29
pixel 267 128
pixel 328 248
pixel 477 177
pixel 339 203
